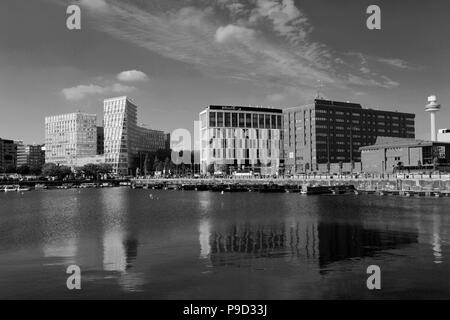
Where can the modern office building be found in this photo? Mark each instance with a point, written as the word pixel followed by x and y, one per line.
pixel 69 137
pixel 390 155
pixel 125 141
pixel 443 135
pixel 21 155
pixel 8 154
pixel 247 139
pixel 35 155
pixel 325 136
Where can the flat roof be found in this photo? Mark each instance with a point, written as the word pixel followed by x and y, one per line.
pixel 348 105
pixel 388 142
pixel 241 108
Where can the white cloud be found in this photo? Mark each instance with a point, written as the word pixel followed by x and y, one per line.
pixel 398 63
pixel 99 5
pixel 286 18
pixel 264 41
pixel 232 32
pixel 82 91
pixel 132 76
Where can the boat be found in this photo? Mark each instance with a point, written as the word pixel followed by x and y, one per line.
pixel 88 185
pixel 316 190
pixel 172 186
pixel 106 185
pixel 40 186
pixel 236 188
pixel 10 188
pixel 23 189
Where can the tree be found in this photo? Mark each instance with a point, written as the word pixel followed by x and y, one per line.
pixel 90 170
pixel 167 165
pixel 49 170
pixel 54 170
pixel 105 168
pixel 36 170
pixel 23 169
pixel 155 164
pixel 10 169
pixel 211 169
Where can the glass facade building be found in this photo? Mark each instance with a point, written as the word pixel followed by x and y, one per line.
pixel 124 140
pixel 241 139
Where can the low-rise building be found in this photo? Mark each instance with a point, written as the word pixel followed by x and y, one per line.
pixel 8 154
pixel 389 155
pixel 443 135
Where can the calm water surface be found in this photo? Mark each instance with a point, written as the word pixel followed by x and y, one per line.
pixel 149 244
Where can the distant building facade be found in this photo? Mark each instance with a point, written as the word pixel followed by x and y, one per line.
pixel 443 135
pixel 8 154
pixel 390 155
pixel 241 139
pixel 35 155
pixel 328 134
pixel 69 137
pixel 124 140
pixel 21 154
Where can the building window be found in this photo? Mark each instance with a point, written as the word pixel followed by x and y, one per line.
pixel 261 121
pixel 241 120
pixel 248 120
pixel 227 119
pixel 267 116
pixel 234 117
pixel 255 121
pixel 219 119
pixel 212 119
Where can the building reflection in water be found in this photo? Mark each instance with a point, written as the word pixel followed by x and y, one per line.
pixel 436 239
pixel 306 242
pixel 120 248
pixel 59 228
pixel 344 241
pixel 66 249
pixel 204 238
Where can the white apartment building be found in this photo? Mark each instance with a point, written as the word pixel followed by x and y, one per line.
pixel 70 137
pixel 124 139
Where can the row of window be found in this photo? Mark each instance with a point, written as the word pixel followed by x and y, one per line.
pixel 243 120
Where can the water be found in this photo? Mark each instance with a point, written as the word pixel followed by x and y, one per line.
pixel 145 244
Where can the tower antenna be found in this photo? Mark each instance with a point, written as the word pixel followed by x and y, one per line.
pixel 319 88
pixel 433 107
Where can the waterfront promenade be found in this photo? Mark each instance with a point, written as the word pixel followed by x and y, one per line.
pixel 390 183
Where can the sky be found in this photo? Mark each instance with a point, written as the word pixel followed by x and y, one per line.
pixel 175 57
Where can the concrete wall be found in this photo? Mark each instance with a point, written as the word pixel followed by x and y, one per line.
pixel 372 161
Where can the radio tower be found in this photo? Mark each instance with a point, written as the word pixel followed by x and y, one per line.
pixel 432 107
